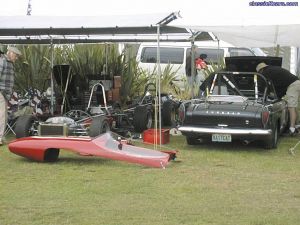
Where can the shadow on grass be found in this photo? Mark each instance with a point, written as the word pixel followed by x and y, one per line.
pixel 90 161
pixel 235 146
pixel 87 160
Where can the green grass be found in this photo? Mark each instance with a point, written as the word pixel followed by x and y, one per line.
pixel 207 184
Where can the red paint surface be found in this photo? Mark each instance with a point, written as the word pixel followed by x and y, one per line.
pixel 101 146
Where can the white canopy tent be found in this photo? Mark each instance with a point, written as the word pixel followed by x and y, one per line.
pixel 251 27
pixel 50 30
pixel 62 29
pixel 247 26
pixel 55 30
pixel 254 35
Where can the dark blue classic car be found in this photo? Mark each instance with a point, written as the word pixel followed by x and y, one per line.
pixel 237 103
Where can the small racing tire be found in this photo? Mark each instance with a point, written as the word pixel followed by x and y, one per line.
pixel 24 126
pixel 100 125
pixel 142 119
pixel 168 113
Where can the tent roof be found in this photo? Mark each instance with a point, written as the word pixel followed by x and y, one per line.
pixel 66 29
pixel 255 36
pixel 257 30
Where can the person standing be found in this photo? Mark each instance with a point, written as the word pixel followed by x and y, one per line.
pixel 6 84
pixel 201 66
pixel 200 62
pixel 285 83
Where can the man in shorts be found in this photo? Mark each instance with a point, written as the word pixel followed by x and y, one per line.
pixel 285 83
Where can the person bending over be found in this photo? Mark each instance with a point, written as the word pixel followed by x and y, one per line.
pixel 285 83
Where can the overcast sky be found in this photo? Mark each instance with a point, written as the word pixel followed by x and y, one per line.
pixel 195 10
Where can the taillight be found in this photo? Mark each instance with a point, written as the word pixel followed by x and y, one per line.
pixel 265 117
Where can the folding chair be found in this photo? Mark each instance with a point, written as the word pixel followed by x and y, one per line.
pixel 11 121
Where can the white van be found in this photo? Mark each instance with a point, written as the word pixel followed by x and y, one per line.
pixel 175 54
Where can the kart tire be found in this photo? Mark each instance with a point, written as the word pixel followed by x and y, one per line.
pixel 51 155
pixel 23 126
pixel 142 119
pixel 168 113
pixel 100 125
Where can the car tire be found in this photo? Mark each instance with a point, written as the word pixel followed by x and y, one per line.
pixel 272 143
pixel 24 125
pixel 192 140
pixel 168 113
pixel 51 155
pixel 100 125
pixel 142 119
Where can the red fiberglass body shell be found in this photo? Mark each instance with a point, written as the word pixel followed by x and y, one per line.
pixel 104 146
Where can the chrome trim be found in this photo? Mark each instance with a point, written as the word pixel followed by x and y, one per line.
pixel 225 130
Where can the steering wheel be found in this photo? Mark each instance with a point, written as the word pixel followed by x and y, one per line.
pixel 77 115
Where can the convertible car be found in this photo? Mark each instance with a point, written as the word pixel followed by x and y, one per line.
pixel 236 104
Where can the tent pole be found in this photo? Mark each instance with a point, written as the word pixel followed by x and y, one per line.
pixel 277 48
pixel 158 78
pixel 193 68
pixel 52 85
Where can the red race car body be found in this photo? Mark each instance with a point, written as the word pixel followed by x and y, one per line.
pixel 105 146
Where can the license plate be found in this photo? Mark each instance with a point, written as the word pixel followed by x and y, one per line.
pixel 221 137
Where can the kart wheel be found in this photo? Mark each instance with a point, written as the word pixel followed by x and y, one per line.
pixel 272 143
pixel 168 113
pixel 51 155
pixel 142 119
pixel 25 126
pixel 99 126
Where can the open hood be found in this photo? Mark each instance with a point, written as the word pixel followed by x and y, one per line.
pixel 249 63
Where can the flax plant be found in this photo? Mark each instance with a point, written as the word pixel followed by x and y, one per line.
pixel 95 59
pixel 33 69
pixel 134 80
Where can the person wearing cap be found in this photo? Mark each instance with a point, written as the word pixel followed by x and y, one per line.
pixel 285 83
pixel 6 84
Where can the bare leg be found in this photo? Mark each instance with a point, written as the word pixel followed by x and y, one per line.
pixel 293 116
pixel 3 116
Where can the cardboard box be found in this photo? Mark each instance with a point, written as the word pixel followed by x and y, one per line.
pixel 109 95
pixel 150 135
pixel 117 81
pixel 116 94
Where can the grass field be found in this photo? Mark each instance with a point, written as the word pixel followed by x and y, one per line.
pixel 209 184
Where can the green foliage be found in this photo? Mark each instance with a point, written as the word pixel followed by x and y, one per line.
pixel 33 68
pixel 94 59
pixel 188 91
pixel 167 79
pixel 134 80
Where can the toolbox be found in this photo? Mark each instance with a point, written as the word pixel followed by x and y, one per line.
pixel 150 135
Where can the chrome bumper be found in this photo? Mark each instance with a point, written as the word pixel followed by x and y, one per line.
pixel 225 131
